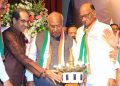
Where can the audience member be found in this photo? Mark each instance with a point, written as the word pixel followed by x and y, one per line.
pixel 114 27
pixel 71 31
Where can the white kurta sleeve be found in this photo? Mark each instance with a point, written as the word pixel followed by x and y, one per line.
pixel 32 55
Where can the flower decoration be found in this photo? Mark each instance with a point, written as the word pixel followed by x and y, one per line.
pixel 6 19
pixel 38 15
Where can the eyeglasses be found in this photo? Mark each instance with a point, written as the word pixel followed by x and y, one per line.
pixel 115 29
pixel 55 26
pixel 24 21
pixel 85 15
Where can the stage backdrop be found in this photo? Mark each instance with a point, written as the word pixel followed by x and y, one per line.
pixel 51 5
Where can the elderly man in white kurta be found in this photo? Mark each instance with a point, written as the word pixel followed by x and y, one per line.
pixel 100 68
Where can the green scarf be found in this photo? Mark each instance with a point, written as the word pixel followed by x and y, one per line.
pixel 83 50
pixel 43 49
pixel 118 56
pixel 1 46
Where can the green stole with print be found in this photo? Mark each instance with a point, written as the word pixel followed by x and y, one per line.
pixel 1 46
pixel 83 53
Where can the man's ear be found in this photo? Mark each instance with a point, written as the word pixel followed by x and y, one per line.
pixel 94 13
pixel 14 21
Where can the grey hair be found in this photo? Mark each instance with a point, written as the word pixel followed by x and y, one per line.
pixel 56 13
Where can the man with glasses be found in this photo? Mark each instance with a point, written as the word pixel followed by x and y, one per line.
pixel 106 11
pixel 93 50
pixel 15 48
pixel 50 48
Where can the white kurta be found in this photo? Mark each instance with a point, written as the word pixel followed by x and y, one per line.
pixel 102 67
pixel 3 74
pixel 31 52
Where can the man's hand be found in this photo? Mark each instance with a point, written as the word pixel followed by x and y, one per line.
pixel 111 38
pixel 53 76
pixel 118 77
pixel 8 83
pixel 113 54
pixel 111 82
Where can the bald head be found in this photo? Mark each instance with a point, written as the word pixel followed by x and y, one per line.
pixel 55 23
pixel 87 14
pixel 55 17
pixel 87 7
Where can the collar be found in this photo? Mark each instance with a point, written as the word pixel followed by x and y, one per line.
pixel 56 38
pixel 93 26
pixel 15 30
